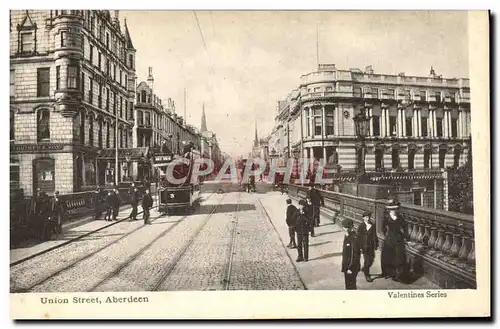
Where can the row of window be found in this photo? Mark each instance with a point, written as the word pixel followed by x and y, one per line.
pixel 162 122
pixel 379 158
pixel 121 107
pixel 110 40
pixel 108 68
pixel 436 96
pixel 317 125
pixel 43 130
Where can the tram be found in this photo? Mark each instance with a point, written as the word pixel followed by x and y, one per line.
pixel 174 196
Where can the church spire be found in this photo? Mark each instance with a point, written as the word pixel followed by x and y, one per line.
pixel 203 120
pixel 256 141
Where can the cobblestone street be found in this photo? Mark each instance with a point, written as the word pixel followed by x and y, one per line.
pixel 233 241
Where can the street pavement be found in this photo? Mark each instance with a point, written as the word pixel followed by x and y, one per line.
pixel 195 252
pixel 70 230
pixel 323 270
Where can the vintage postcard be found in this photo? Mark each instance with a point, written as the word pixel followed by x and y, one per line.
pixel 227 164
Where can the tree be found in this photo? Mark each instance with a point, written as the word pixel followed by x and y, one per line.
pixel 461 188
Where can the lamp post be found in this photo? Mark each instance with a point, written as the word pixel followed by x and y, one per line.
pixel 361 123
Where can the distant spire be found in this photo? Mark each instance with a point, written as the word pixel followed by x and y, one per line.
pixel 256 141
pixel 203 120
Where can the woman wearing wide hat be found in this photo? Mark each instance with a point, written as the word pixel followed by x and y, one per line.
pixel 393 256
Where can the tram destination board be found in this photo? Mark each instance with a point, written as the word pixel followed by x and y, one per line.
pixel 163 158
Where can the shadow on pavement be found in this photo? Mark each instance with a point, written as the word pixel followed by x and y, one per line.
pixel 319 243
pixel 225 208
pixel 335 254
pixel 326 233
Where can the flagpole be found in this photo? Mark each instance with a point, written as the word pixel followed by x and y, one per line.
pixel 185 118
pixel 317 45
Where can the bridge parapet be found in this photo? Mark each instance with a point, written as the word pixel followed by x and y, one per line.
pixel 440 244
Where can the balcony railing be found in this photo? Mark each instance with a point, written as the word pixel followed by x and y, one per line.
pixel 440 244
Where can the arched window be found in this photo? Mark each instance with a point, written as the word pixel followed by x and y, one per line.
pixel 82 128
pixel 143 96
pixel 107 135
pixel 395 158
pixel 43 125
pixel 120 135
pixel 139 118
pixel 99 136
pixel 12 127
pixel 91 131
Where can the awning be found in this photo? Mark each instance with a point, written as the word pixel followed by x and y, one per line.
pixel 136 153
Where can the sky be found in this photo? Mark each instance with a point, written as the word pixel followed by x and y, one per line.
pixel 240 63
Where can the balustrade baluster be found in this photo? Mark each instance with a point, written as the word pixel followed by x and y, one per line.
pixel 434 234
pixel 457 242
pixel 414 231
pixel 427 235
pixel 440 239
pixel 409 228
pixel 421 232
pixel 464 250
pixel 447 243
pixel 471 257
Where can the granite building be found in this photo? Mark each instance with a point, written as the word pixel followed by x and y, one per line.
pixel 418 127
pixel 72 89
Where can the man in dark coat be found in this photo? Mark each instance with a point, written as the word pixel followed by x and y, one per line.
pixel 351 255
pixel 302 228
pixel 147 203
pixel 309 209
pixel 56 213
pixel 134 200
pixel 291 220
pixel 367 235
pixel 116 203
pixel 109 205
pixel 317 201
pixel 99 202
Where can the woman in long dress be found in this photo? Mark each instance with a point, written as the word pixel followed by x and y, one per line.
pixel 393 256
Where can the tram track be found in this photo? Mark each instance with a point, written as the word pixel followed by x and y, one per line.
pixel 229 262
pixel 93 253
pixel 172 264
pixel 62 244
pixel 136 255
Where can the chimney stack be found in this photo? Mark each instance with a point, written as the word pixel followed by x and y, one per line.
pixel 150 79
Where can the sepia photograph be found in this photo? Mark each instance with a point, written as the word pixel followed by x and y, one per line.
pixel 250 158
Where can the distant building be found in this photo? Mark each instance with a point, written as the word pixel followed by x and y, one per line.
pixel 157 123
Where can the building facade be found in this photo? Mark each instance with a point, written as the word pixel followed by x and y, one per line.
pixel 417 124
pixel 72 88
pixel 157 123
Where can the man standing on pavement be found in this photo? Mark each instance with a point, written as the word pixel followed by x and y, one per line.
pixel 317 201
pixel 291 220
pixel 134 200
pixel 302 229
pixel 367 235
pixel 109 205
pixel 147 202
pixel 116 203
pixel 57 212
pixel 350 255
pixel 309 209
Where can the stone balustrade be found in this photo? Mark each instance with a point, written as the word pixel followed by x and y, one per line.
pixel 440 244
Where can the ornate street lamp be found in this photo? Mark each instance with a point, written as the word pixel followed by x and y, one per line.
pixel 273 153
pixel 361 123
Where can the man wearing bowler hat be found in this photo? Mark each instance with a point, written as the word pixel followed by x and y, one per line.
pixel 350 255
pixel 368 240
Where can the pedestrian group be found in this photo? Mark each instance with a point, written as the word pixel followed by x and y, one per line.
pixel 361 241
